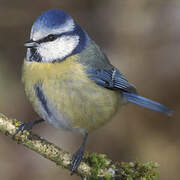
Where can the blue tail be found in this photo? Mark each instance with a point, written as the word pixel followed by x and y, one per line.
pixel 147 103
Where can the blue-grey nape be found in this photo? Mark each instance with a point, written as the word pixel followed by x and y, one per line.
pixel 51 19
pixel 83 39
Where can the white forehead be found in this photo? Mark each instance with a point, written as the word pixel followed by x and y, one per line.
pixel 43 32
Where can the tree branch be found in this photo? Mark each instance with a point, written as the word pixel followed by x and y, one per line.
pixel 93 167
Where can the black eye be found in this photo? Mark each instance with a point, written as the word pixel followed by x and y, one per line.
pixel 50 37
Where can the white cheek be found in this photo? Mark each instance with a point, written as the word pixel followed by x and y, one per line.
pixel 58 49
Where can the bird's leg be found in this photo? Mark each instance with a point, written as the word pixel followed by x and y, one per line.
pixel 78 155
pixel 27 126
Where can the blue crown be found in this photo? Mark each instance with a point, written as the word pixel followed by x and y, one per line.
pixel 59 23
pixel 51 19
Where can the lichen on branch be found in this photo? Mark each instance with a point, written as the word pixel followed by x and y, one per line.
pixel 93 166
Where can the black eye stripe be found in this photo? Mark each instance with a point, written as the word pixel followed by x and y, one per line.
pixel 50 37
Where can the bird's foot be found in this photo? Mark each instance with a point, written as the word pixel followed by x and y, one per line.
pixel 76 159
pixel 24 126
pixel 27 126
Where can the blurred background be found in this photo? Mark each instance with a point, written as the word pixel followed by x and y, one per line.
pixel 142 39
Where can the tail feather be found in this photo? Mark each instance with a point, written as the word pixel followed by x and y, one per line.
pixel 147 103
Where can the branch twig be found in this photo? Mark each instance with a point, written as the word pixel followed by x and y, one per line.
pixel 93 167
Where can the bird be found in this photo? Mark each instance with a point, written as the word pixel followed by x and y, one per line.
pixel 70 82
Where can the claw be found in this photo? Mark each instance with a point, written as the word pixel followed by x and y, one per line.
pixel 76 160
pixel 77 157
pixel 22 127
pixel 27 126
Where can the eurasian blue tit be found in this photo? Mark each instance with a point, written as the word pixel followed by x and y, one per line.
pixel 70 81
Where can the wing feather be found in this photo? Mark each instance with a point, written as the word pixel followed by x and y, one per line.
pixel 111 79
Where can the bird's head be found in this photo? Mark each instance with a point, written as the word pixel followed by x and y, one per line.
pixel 55 36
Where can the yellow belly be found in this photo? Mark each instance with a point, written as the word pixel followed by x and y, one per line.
pixel 85 105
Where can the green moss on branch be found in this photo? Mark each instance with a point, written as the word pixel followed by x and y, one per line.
pixel 93 167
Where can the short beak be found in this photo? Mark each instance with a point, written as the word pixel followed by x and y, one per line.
pixel 30 44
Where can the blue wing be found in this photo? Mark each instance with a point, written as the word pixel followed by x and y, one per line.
pixel 111 79
pixel 114 80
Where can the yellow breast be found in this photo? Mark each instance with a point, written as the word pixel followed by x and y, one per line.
pixel 71 93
